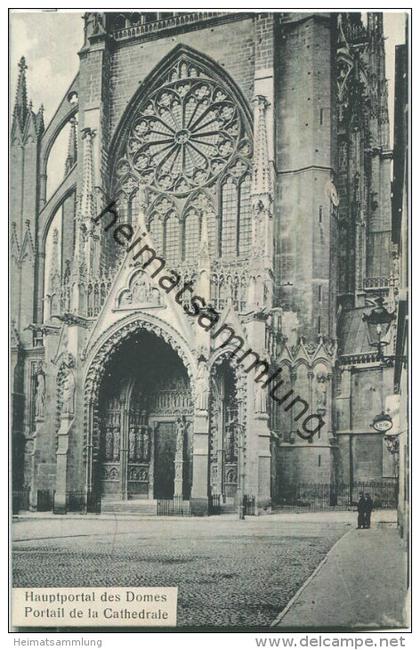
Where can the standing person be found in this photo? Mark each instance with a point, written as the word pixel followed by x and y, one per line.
pixel 368 511
pixel 361 511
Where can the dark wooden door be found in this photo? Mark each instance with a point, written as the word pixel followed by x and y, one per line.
pixel 165 445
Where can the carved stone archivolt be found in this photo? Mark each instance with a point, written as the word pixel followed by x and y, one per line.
pixel 107 346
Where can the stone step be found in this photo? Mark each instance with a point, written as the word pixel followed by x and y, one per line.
pixel 145 507
pixel 135 506
pixel 228 508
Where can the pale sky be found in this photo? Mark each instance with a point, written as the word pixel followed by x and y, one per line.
pixel 50 41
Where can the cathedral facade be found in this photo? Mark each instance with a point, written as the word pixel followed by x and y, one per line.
pixel 249 152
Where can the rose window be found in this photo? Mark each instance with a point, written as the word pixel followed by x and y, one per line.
pixel 183 135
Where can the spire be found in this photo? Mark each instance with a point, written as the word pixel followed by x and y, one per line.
pixel 261 178
pixel 262 187
pixel 87 198
pixel 21 102
pixel 375 30
pixel 72 147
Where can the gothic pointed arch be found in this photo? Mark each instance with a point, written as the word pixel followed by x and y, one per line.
pixel 183 127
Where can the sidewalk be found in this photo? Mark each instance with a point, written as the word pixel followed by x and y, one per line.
pixel 360 584
pixel 39 525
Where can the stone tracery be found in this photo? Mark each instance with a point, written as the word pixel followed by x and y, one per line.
pixel 184 133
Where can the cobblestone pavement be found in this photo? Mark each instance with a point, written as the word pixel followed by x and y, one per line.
pixel 228 572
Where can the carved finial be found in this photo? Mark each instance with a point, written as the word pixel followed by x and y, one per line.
pixel 40 120
pixel 21 103
pixel 22 64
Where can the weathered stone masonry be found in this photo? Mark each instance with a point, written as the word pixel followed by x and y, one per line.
pixel 253 148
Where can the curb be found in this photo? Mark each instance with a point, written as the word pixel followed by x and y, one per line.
pixel 308 580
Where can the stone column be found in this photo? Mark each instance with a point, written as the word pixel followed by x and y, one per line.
pixel 124 445
pixel 68 389
pixel 152 433
pixel 199 491
pixel 179 458
pixel 179 465
pixel 262 430
pixel 39 399
pixel 200 477
pixel 32 463
pixel 60 497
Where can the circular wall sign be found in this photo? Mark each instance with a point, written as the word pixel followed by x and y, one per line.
pixel 382 422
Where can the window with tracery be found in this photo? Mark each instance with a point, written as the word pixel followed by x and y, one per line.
pixel 171 238
pixel 245 216
pixel 188 133
pixel 213 233
pixel 229 225
pixel 191 235
pixel 184 133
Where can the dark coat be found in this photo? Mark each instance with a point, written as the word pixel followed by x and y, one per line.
pixel 368 504
pixel 361 506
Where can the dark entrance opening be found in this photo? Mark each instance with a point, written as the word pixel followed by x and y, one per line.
pixel 165 448
pixel 144 395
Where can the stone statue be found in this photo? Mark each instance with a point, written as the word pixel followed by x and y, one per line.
pixel 180 430
pixel 116 444
pixel 69 386
pixel 67 272
pixel 40 392
pixel 321 391
pixel 146 444
pixel 132 444
pixel 202 386
pixel 93 24
pixel 109 442
pixel 231 455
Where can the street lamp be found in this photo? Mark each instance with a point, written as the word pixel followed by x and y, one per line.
pixel 378 322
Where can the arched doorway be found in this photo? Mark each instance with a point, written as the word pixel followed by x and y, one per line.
pixel 144 422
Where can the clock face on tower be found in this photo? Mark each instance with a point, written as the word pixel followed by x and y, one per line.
pixel 184 134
